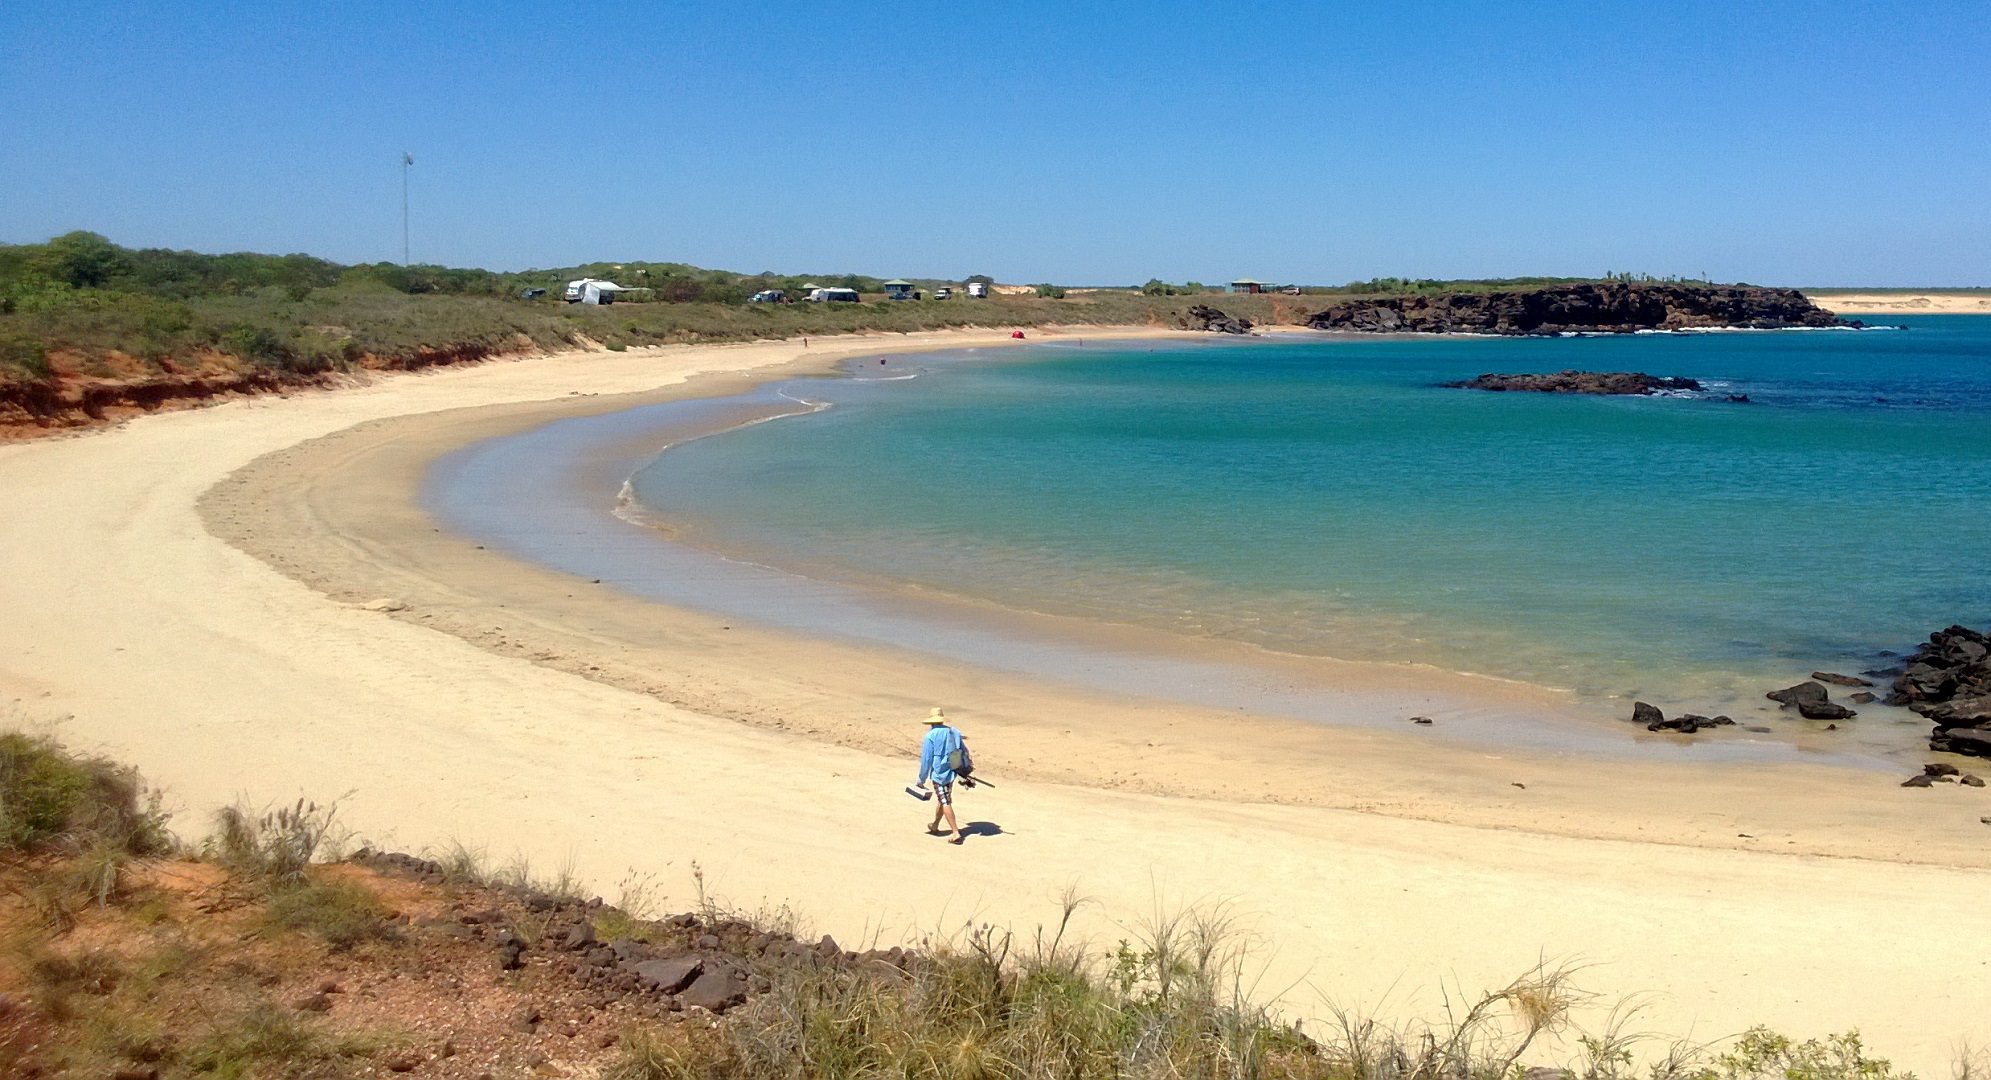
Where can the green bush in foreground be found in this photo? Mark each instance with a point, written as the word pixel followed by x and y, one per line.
pixel 50 797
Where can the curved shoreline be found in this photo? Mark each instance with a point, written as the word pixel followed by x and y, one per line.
pixel 461 717
pixel 514 490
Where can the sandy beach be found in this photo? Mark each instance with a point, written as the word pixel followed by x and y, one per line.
pixel 1902 303
pixel 199 593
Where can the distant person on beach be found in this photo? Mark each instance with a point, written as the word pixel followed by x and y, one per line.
pixel 941 755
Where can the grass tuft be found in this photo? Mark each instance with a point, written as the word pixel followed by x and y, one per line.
pixel 342 913
pixel 276 845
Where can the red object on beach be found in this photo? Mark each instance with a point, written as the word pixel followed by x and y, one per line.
pixel 1016 333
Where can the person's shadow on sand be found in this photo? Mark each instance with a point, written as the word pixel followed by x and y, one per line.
pixel 981 828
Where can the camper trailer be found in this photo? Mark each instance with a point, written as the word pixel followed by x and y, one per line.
pixel 831 296
pixel 591 291
pixel 978 289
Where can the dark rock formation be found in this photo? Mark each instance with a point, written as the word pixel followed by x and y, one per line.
pixel 1577 382
pixel 1205 317
pixel 1685 723
pixel 1948 680
pixel 1839 680
pixel 1824 710
pixel 1792 695
pixel 1943 773
pixel 1607 307
pixel 1811 702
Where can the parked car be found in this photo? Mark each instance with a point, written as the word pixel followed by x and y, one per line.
pixel 768 296
pixel 943 293
pixel 531 294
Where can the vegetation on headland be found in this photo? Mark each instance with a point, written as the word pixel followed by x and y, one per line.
pixel 259 954
pixel 82 306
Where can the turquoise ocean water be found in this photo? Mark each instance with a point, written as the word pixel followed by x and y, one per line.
pixel 1327 497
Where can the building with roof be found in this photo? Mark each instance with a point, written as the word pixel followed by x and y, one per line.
pixel 1246 285
pixel 899 289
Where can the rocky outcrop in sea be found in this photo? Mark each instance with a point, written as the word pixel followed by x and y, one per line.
pixel 1578 382
pixel 1606 307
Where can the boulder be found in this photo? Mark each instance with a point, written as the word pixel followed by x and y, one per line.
pixel 1974 742
pixel 716 990
pixel 1921 780
pixel 1792 695
pixel 1824 710
pixel 1861 698
pixel 1648 716
pixel 1974 711
pixel 671 975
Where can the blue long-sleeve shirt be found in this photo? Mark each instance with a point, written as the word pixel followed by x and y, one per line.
pixel 940 742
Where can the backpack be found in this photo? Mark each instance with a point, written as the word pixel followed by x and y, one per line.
pixel 958 761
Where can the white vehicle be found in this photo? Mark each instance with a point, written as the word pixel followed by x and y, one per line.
pixel 831 296
pixel 978 289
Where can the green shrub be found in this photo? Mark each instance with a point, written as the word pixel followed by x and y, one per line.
pixel 24 355
pixel 343 913
pixel 50 797
pixel 256 344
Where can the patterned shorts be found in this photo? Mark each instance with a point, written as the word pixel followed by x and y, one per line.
pixel 944 793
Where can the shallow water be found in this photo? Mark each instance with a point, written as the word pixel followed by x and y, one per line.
pixel 1326 496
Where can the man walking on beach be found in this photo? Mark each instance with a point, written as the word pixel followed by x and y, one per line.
pixel 940 754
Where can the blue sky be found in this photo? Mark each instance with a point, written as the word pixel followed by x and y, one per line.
pixel 1097 143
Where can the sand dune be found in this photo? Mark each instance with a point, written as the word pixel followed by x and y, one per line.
pixel 506 707
pixel 1930 303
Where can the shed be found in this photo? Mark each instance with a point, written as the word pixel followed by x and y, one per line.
pixel 1246 285
pixel 898 289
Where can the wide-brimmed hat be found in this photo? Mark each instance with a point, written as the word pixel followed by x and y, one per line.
pixel 936 717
